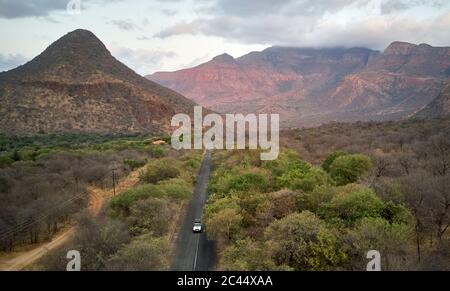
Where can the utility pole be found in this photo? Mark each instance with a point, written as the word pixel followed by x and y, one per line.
pixel 114 180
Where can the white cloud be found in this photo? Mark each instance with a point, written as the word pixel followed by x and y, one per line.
pixel 124 24
pixel 10 61
pixel 303 23
pixel 37 8
pixel 142 61
pixel 180 28
pixel 169 12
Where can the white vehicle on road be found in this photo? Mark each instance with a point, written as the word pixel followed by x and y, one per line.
pixel 198 226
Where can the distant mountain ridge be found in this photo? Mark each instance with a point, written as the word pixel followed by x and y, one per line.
pixel 311 86
pixel 438 108
pixel 77 85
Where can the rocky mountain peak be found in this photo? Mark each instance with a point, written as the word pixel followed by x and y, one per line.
pixel 76 85
pixel 73 57
pixel 399 48
pixel 223 58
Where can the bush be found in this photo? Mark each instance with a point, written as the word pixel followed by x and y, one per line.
pixel 391 240
pixel 247 255
pixel 157 151
pixel 151 215
pixel 347 169
pixel 248 181
pixel 96 240
pixel 120 205
pixel 192 164
pixel 306 181
pixel 395 213
pixel 134 164
pixel 301 241
pixel 224 225
pixel 5 161
pixel 160 170
pixel 146 253
pixel 288 160
pixel 226 181
pixel 215 204
pixel 27 153
pixel 352 203
pixel 176 188
pixel 331 158
pixel 313 200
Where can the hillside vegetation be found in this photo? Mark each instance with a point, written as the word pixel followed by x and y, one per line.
pixel 44 179
pixel 338 192
pixel 135 233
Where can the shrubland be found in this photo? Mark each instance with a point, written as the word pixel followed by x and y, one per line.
pixel 146 217
pixel 337 192
pixel 44 179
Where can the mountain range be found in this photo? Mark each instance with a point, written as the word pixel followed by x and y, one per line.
pixel 308 86
pixel 76 85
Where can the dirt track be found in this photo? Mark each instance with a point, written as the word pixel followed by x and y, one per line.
pixel 18 261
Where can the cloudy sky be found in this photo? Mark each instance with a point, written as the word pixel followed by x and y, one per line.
pixel 162 35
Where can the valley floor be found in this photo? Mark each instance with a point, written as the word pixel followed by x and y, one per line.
pixel 98 196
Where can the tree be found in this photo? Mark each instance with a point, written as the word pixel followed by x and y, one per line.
pixel 390 239
pixel 287 160
pixel 120 205
pixel 247 255
pixel 417 188
pixel 248 181
pixel 349 168
pixel 351 203
pixel 441 152
pixel 160 170
pixel 441 205
pixel 302 242
pixel 406 162
pixel 313 200
pixel 284 203
pixel 98 241
pixel 331 158
pixel 381 167
pixel 149 215
pixel 224 225
pixel 146 253
pixel 226 181
pixel 306 181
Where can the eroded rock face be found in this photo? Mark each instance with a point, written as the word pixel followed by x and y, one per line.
pixel 312 86
pixel 76 85
pixel 439 107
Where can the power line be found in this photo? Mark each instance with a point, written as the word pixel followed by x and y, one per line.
pixel 26 224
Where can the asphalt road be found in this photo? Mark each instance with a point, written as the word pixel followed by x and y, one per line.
pixel 194 252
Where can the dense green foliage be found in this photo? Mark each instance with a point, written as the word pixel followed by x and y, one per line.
pixel 289 215
pixel 326 165
pixel 410 169
pixel 160 170
pixel 24 148
pixel 348 168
